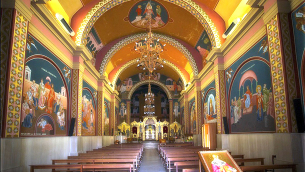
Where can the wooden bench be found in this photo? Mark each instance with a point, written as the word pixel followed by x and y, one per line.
pixel 180 159
pixel 191 170
pixel 242 161
pixel 266 167
pixel 117 167
pixel 187 164
pixel 95 161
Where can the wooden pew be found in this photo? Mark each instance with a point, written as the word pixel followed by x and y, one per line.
pixel 95 161
pixel 266 167
pixel 117 167
pixel 242 161
pixel 106 157
pixel 187 164
pixel 180 159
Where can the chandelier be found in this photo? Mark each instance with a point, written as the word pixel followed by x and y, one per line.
pixel 149 108
pixel 150 50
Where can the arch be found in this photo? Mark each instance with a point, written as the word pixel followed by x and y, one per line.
pixel 137 85
pixel 236 72
pixel 134 61
pixel 149 117
pixel 141 36
pixel 101 7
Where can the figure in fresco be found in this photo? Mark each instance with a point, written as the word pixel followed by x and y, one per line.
pixel 229 74
pixel 139 14
pixel 123 110
pixel 204 53
pixel 300 19
pixel 148 14
pixel 47 84
pixel 44 125
pixel 264 47
pixel 35 94
pixel 61 119
pixel 51 98
pixel 57 105
pixel 176 109
pixel 123 87
pixel 221 166
pixel 270 110
pixel 164 112
pixel 265 99
pixel 260 104
pixel 175 88
pixel 232 111
pixel 247 98
pixel 236 111
pixel 27 122
pixel 41 95
pixel 67 73
pixel 158 19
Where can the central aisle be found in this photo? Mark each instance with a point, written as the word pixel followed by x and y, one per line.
pixel 151 161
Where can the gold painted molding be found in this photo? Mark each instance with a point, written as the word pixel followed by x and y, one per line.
pixel 160 84
pixel 91 69
pixel 295 3
pixel 209 81
pixel 142 36
pixel 134 61
pixel 90 82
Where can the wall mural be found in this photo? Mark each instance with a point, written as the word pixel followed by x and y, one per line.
pixel 298 23
pixel 209 103
pixel 193 116
pixel 125 86
pixel 182 122
pixel 176 110
pixel 204 46
pixel 249 91
pixel 46 92
pixel 141 12
pixel 117 116
pixel 123 111
pixel 94 44
pixel 88 110
pixel 106 116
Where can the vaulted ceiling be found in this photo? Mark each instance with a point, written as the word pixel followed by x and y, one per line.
pixel 185 23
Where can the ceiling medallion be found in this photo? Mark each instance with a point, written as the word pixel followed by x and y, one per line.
pixel 140 13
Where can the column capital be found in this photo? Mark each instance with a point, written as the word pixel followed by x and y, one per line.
pixel 277 7
pixel 218 64
pixel 20 6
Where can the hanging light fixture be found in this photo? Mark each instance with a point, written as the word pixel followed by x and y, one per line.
pixel 149 108
pixel 150 50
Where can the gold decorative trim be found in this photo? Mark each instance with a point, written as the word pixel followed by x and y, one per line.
pixel 134 61
pixel 160 84
pixel 142 36
pixel 90 82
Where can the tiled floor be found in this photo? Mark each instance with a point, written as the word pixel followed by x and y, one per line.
pixel 151 161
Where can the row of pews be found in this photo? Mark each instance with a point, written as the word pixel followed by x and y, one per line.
pixel 184 157
pixel 122 157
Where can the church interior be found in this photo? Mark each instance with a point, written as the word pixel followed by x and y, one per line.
pixel 80 75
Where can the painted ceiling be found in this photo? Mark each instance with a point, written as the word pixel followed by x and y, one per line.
pixel 176 22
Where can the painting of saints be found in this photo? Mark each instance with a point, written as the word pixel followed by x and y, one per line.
pixel 44 125
pixel 260 104
pixel 211 115
pixel 35 94
pixel 221 166
pixel 123 110
pixel 50 100
pixel 265 98
pixel 41 95
pixel 193 118
pixel 61 119
pixel 139 14
pixel 175 88
pixel 158 18
pixel 300 19
pixel 27 122
pixel 247 98
pixel 176 109
pixel 58 104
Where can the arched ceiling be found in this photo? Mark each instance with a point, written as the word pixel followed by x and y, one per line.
pixel 187 22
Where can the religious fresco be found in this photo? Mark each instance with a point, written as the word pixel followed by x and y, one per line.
pixel 209 103
pixel 176 110
pixel 204 46
pixel 94 44
pixel 89 107
pixel 117 116
pixel 123 87
pixel 140 14
pixel 106 115
pixel 298 24
pixel 122 112
pixel 182 122
pixel 249 92
pixel 193 116
pixel 46 92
